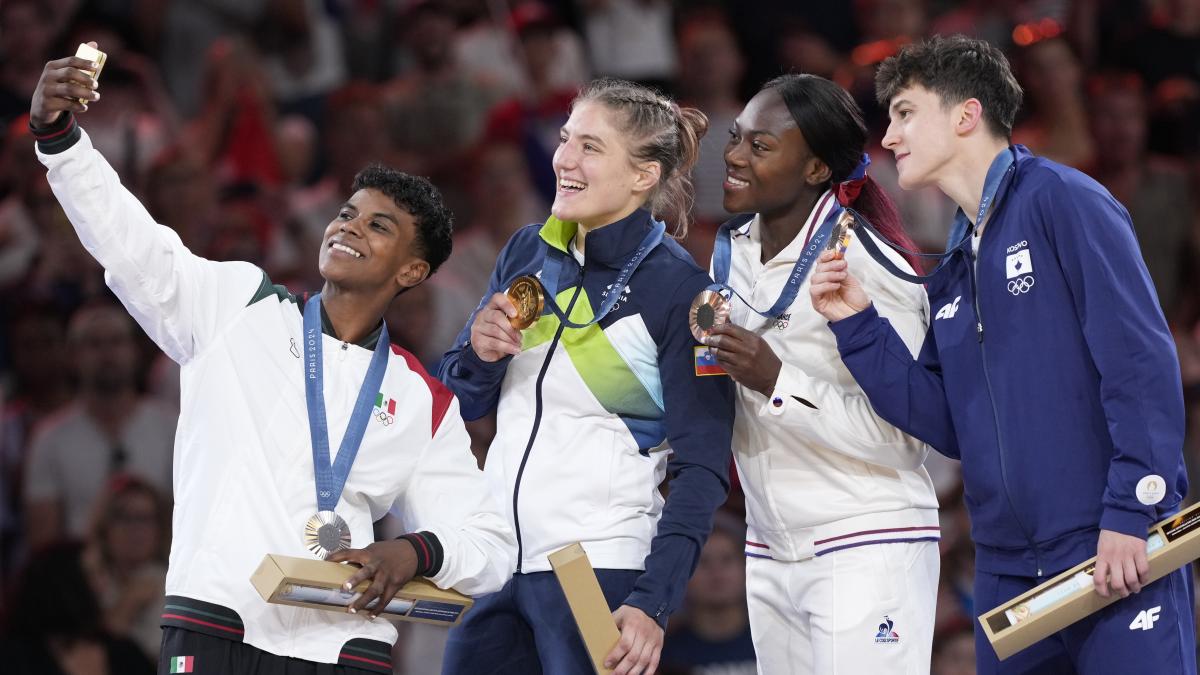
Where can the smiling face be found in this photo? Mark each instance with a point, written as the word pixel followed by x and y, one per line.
pixel 921 135
pixel 371 244
pixel 598 182
pixel 769 167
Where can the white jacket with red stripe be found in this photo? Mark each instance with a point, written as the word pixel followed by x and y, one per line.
pixel 820 470
pixel 243 466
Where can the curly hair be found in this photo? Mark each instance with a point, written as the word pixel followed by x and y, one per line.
pixel 420 199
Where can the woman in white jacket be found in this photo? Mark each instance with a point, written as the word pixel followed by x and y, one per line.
pixel 842 518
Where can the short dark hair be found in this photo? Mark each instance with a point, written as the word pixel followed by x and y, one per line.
pixel 955 68
pixel 418 197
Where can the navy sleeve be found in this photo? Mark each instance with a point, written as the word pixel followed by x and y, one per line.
pixel 908 393
pixel 474 381
pixel 699 423
pixel 1130 344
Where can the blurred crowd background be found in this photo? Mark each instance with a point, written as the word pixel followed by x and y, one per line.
pixel 240 123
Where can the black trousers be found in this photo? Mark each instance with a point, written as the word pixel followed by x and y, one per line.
pixel 185 651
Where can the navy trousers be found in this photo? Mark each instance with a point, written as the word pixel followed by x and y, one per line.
pixel 526 628
pixel 1153 631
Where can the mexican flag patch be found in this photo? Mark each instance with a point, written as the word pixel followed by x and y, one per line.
pixel 182 664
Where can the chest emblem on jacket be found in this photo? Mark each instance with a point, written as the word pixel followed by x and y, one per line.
pixel 948 310
pixel 625 293
pixel 385 409
pixel 1018 268
pixel 783 320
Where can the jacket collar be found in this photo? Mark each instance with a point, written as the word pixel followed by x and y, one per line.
pixel 368 342
pixel 610 245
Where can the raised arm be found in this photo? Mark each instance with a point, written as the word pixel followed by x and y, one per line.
pixel 907 392
pixel 180 299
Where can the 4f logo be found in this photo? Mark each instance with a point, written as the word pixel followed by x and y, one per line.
pixel 1146 618
pixel 948 310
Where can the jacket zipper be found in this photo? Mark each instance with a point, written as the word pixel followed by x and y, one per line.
pixel 537 421
pixel 1037 556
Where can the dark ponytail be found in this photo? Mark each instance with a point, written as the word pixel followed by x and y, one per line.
pixel 832 125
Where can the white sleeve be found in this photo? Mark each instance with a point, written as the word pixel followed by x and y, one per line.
pixel 181 300
pixel 448 496
pixel 841 418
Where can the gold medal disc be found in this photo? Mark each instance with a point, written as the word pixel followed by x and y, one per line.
pixel 526 295
pixel 709 310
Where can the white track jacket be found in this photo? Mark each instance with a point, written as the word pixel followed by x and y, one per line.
pixel 243 467
pixel 820 470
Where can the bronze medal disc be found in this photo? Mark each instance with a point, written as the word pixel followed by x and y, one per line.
pixel 709 310
pixel 526 295
pixel 839 237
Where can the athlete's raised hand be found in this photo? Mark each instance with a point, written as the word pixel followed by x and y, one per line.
pixel 836 294
pixel 492 335
pixel 60 89
pixel 747 357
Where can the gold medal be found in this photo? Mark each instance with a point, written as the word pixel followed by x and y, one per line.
pixel 709 310
pixel 839 238
pixel 526 295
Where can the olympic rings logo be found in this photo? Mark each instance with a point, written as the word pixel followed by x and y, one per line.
pixel 385 418
pixel 1021 285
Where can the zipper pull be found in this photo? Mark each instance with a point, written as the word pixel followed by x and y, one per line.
pixel 979 330
pixel 345 350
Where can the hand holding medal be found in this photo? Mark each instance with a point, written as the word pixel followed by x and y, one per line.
pixel 525 293
pixel 709 310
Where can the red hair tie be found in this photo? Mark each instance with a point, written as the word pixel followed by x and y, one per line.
pixel 847 190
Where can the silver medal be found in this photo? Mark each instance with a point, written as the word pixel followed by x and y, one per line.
pixel 325 533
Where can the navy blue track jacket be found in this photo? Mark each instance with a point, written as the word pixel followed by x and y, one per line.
pixel 1048 370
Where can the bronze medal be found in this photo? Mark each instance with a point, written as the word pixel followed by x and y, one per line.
pixel 839 237
pixel 526 295
pixel 709 310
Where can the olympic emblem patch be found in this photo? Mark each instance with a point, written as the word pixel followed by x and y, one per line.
pixel 385 409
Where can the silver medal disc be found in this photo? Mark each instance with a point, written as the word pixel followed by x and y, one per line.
pixel 325 533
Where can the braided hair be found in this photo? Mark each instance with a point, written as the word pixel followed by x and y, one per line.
pixel 661 132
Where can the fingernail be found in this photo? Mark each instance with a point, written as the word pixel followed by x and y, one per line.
pixel 346 585
pixel 84 107
pixel 353 611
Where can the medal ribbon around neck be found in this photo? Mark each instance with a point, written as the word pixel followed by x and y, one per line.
pixel 723 252
pixel 552 270
pixel 960 231
pixel 331 478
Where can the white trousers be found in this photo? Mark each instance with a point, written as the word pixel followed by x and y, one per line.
pixel 868 609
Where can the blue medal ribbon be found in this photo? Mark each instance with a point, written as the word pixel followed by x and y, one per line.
pixel 552 271
pixel 960 231
pixel 332 478
pixel 723 252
